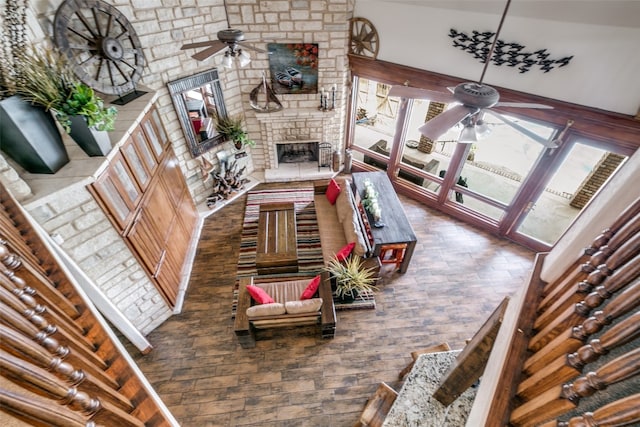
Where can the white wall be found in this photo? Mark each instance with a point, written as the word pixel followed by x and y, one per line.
pixel 602 74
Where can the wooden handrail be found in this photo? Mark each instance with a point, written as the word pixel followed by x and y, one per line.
pixel 43 411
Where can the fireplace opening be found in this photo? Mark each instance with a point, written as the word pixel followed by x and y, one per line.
pixel 297 152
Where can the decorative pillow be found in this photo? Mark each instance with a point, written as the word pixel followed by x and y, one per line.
pixel 306 306
pixel 259 295
pixel 272 309
pixel 311 288
pixel 333 190
pixel 345 251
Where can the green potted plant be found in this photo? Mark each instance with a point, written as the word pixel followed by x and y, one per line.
pixel 28 134
pixel 351 277
pixel 232 127
pixel 47 80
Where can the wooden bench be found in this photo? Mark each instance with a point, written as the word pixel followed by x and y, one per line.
pixel 277 247
pixel 244 327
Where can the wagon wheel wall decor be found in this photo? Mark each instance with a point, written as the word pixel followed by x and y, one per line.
pixel 101 45
pixel 364 38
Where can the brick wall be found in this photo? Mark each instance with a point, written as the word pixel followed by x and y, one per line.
pixel 592 183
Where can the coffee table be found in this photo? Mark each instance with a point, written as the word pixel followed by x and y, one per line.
pixel 277 248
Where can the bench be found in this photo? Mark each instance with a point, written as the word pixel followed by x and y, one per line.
pixel 283 290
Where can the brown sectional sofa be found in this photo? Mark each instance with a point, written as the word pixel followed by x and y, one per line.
pixel 340 223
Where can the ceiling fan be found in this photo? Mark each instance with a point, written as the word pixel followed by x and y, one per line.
pixel 229 38
pixel 472 100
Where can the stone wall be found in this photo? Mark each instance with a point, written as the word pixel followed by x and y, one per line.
pixel 93 244
pixel 163 26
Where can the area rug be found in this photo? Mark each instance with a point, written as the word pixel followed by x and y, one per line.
pixel 310 260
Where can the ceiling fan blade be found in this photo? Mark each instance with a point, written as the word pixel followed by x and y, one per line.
pixel 417 93
pixel 523 130
pixel 522 105
pixel 444 121
pixel 199 44
pixel 246 46
pixel 212 50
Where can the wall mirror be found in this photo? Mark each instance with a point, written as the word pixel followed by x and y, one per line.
pixel 198 100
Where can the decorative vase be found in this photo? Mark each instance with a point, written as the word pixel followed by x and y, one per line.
pixel 30 137
pixel 92 141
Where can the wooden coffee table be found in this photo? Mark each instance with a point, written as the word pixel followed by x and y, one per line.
pixel 277 250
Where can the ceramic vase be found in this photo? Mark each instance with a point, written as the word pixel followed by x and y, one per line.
pixel 29 136
pixel 92 141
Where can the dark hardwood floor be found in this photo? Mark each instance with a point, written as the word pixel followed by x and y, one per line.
pixel 457 276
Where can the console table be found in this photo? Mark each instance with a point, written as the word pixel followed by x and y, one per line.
pixel 277 248
pixel 397 228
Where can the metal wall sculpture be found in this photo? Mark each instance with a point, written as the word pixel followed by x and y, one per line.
pixel 510 54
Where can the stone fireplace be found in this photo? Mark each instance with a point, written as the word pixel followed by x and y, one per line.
pixel 290 143
pixel 297 152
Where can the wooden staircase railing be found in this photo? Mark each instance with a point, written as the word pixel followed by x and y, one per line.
pixel 570 356
pixel 59 364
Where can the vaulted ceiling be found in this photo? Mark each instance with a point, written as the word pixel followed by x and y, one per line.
pixel 616 13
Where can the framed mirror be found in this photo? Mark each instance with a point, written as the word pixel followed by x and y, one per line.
pixel 197 100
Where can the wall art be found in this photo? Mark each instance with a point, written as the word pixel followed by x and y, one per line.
pixel 293 67
pixel 510 54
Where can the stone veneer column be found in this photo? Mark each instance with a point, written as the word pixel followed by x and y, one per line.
pixel 598 176
pixel 426 144
pixel 297 21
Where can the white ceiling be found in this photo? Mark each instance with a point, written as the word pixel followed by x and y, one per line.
pixel 616 13
pixel 602 36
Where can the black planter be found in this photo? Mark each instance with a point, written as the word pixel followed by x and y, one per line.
pixel 93 142
pixel 29 136
pixel 348 298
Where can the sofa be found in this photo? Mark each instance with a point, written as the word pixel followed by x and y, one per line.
pixel 288 309
pixel 381 147
pixel 340 223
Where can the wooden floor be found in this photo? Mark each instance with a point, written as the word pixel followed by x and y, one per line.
pixel 457 276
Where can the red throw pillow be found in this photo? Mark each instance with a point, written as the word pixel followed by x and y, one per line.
pixel 311 288
pixel 333 191
pixel 259 295
pixel 345 251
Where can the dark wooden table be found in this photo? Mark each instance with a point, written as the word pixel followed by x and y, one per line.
pixel 277 248
pixel 397 228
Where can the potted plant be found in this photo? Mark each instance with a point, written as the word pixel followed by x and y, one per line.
pixel 47 80
pixel 352 278
pixel 28 134
pixel 231 127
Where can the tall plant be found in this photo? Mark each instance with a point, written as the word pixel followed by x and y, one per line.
pixel 46 79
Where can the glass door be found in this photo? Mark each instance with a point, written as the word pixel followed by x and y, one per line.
pixel 583 169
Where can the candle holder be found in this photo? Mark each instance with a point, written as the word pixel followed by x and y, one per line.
pixel 325 105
